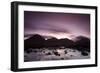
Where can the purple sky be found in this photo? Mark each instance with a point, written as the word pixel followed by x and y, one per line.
pixel 59 25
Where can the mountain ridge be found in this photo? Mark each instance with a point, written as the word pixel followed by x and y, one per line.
pixel 38 41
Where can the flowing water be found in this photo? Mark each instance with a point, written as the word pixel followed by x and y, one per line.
pixel 45 54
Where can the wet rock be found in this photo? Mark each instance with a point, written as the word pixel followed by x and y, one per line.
pixel 56 53
pixel 62 58
pixel 48 53
pixel 70 50
pixel 65 51
pixel 71 55
pixel 43 51
pixel 84 53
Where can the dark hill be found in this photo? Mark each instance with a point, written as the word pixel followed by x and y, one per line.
pixel 36 41
pixel 66 42
pixel 83 43
pixel 53 42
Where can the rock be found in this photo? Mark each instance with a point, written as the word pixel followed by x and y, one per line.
pixel 62 58
pixel 56 53
pixel 65 52
pixel 48 53
pixel 84 53
pixel 43 51
pixel 71 55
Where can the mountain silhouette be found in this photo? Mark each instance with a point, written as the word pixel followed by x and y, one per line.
pixel 52 42
pixel 66 42
pixel 36 41
pixel 82 43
